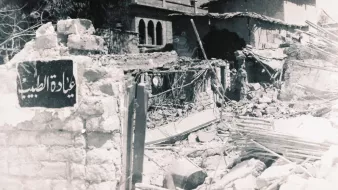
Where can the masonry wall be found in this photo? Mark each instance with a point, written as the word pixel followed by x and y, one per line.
pixel 271 8
pixel 68 148
pixel 120 42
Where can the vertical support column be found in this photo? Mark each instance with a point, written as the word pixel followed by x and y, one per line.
pixel 146 34
pixel 155 35
pixel 223 77
pixel 127 132
pixel 140 132
pixel 164 3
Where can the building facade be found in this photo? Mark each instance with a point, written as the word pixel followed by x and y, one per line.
pixel 149 18
pixel 289 11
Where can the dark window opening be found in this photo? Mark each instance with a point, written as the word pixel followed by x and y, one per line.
pixel 151 39
pixel 159 39
pixel 142 32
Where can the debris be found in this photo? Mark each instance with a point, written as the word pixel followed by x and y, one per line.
pixel 142 186
pixel 187 175
pixel 294 182
pixel 272 173
pixel 204 136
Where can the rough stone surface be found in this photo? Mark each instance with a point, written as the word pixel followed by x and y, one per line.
pixel 46 41
pixel 206 136
pixel 272 173
pixel 46 29
pixel 75 26
pixel 85 42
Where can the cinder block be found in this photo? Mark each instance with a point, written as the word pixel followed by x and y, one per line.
pixel 53 170
pixel 23 138
pixel 99 173
pixel 37 184
pixel 75 26
pixel 79 141
pixel 67 185
pixel 24 169
pixel 3 168
pixel 10 183
pixel 78 171
pixel 56 138
pixel 46 42
pixel 76 155
pixel 38 153
pixel 99 156
pixel 85 42
pixel 109 185
pixel 100 140
pixel 91 107
pixel 74 125
pixel 3 139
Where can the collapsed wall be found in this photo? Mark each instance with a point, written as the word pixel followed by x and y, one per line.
pixel 62 111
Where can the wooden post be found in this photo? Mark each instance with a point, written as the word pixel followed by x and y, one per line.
pixel 223 77
pixel 127 133
pixel 140 132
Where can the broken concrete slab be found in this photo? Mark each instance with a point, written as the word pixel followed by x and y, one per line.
pixel 46 29
pixel 272 173
pixel 46 41
pixel 187 175
pixel 328 160
pixel 247 183
pixel 294 182
pixel 85 42
pixel 192 138
pixel 204 136
pixel 75 26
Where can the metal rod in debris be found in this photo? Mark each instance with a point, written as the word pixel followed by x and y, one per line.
pixel 322 29
pixel 205 57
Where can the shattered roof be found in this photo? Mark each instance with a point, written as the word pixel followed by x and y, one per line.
pixel 231 15
pixel 313 2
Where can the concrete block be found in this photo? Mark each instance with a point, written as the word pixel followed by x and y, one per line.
pixel 74 125
pixel 109 185
pixel 37 184
pixel 78 171
pixel 53 170
pixel 94 74
pixel 38 153
pixel 75 26
pixel 99 173
pixel 24 169
pixel 69 185
pixel 91 107
pixel 111 124
pixel 23 138
pixel 204 136
pixel 246 183
pixel 100 140
pixel 103 156
pixel 79 141
pixel 294 182
pixel 75 155
pixel 3 139
pixel 85 42
pixel 272 173
pixel 46 42
pixel 10 183
pixel 186 175
pixel 56 138
pixel 3 168
pixel 45 29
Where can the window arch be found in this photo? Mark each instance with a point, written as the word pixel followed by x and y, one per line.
pixel 142 32
pixel 159 33
pixel 151 34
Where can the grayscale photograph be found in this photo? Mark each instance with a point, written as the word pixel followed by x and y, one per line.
pixel 168 95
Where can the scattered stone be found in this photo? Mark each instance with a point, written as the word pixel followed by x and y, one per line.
pixel 46 29
pixel 247 183
pixel 85 42
pixel 257 113
pixel 273 173
pixel 265 99
pixel 75 26
pixel 261 106
pixel 294 182
pixel 254 86
pixel 271 110
pixel 192 138
pixel 187 175
pixel 46 42
pixel 204 136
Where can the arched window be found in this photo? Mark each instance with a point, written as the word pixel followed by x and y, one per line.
pixel 142 32
pixel 159 38
pixel 151 39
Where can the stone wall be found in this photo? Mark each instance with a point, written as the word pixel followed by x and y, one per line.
pixel 76 147
pixel 120 42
